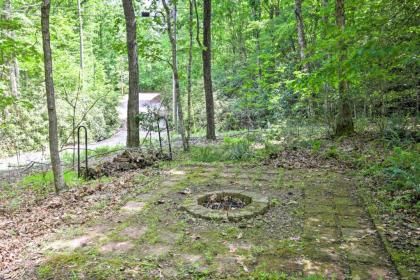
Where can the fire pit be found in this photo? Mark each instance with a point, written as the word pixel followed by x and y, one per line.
pixel 224 201
pixel 232 205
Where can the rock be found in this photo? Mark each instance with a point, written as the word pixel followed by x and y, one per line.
pixel 187 191
pixel 117 247
pixel 134 232
pixel 292 202
pixel 133 207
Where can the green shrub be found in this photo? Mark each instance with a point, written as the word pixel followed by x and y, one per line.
pixel 403 170
pixel 232 149
pixel 316 146
pixel 45 271
pixel 332 152
pixel 42 182
pixel 206 154
pixel 237 148
pixel 398 178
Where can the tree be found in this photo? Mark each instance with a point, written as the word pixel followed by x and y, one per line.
pixel 174 15
pixel 256 16
pixel 81 64
pixel 133 131
pixel 174 64
pixel 189 68
pixel 302 48
pixel 374 59
pixel 208 86
pixel 301 32
pixel 12 62
pixel 344 121
pixel 49 87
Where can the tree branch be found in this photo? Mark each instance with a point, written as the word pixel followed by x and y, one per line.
pixel 198 24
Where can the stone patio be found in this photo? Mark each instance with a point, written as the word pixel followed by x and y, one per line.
pixel 315 226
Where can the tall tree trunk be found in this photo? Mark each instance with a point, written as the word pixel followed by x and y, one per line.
pixel 301 32
pixel 81 64
pixel 14 76
pixel 324 19
pixel 302 48
pixel 189 83
pixel 172 40
pixel 256 16
pixel 49 87
pixel 174 98
pixel 133 132
pixel 208 87
pixel 344 121
pixel 12 62
pixel 326 87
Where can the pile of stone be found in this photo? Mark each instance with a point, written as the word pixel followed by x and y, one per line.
pixel 130 159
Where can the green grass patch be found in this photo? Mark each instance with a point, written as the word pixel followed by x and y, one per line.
pixel 42 183
pixel 58 263
pixel 233 150
pixel 87 265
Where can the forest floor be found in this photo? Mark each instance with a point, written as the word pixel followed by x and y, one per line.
pixel 133 227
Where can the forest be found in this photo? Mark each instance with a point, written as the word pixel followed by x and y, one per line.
pixel 209 139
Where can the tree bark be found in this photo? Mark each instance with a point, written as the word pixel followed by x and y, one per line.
pixel 206 54
pixel 256 16
pixel 14 77
pixel 344 121
pixel 174 98
pixel 326 87
pixel 12 62
pixel 189 83
pixel 172 40
pixel 302 49
pixel 79 12
pixel 324 19
pixel 301 32
pixel 133 132
pixel 49 86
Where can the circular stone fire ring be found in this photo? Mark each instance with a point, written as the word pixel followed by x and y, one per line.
pixel 232 205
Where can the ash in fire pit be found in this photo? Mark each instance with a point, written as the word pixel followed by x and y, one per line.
pixel 225 202
pixel 232 205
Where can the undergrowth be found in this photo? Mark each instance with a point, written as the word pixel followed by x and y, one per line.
pixel 397 179
pixel 35 186
pixel 233 149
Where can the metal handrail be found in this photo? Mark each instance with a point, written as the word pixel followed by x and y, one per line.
pixel 86 151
